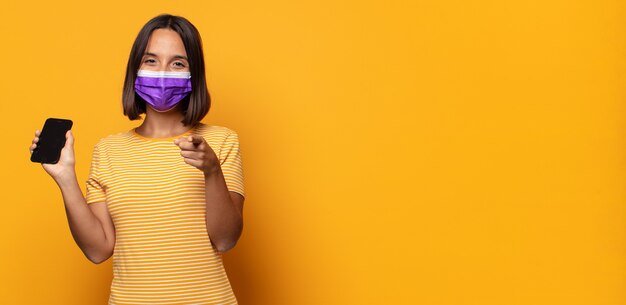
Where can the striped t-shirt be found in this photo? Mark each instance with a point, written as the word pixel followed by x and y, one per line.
pixel 162 254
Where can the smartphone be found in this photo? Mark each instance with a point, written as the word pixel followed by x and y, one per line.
pixel 51 141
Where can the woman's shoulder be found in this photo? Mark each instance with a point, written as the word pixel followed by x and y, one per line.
pixel 113 138
pixel 217 136
pixel 214 130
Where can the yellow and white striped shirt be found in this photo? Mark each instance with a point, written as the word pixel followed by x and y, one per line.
pixel 163 253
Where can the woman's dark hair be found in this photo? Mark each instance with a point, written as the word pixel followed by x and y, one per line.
pixel 195 105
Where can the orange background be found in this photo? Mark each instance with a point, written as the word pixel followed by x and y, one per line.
pixel 395 152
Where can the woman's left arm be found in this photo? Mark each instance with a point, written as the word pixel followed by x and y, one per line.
pixel 224 208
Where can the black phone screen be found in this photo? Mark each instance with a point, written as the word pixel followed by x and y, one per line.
pixel 51 141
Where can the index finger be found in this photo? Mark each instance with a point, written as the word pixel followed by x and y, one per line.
pixel 195 139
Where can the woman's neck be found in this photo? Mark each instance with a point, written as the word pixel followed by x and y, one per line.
pixel 162 124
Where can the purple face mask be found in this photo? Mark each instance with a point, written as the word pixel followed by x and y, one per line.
pixel 162 89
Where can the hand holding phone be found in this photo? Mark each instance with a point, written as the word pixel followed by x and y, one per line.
pixel 53 147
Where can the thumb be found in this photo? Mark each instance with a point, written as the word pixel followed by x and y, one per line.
pixel 69 139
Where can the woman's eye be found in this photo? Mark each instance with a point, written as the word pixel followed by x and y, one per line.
pixel 149 60
pixel 181 64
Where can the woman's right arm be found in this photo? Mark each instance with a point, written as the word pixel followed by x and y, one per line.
pixel 90 225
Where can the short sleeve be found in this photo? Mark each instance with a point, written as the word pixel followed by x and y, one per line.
pixel 96 192
pixel 231 163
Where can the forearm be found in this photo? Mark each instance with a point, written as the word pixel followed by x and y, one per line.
pixel 85 227
pixel 224 221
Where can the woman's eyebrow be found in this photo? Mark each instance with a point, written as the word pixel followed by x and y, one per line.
pixel 175 56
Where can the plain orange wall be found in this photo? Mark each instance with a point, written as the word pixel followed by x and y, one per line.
pixel 395 152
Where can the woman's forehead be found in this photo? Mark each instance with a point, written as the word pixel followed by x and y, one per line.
pixel 166 43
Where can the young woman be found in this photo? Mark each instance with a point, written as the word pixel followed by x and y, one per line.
pixel 165 199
